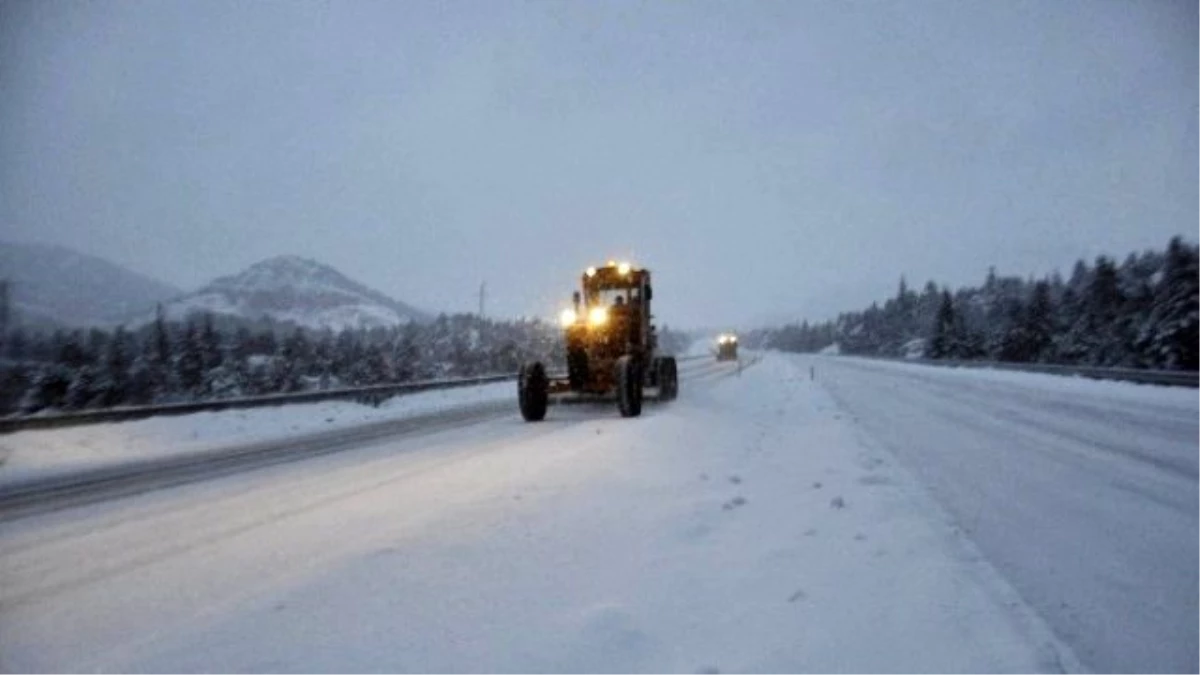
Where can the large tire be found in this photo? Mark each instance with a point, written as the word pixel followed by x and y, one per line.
pixel 668 379
pixel 629 387
pixel 533 391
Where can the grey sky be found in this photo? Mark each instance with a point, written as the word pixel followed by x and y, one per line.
pixel 767 159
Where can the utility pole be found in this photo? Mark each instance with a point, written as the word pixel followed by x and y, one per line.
pixel 482 296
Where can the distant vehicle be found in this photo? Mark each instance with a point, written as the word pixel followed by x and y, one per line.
pixel 727 344
pixel 611 347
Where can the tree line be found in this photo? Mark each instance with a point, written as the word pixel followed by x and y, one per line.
pixel 1140 313
pixel 207 357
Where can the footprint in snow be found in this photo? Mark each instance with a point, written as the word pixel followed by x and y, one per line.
pixel 697 531
pixel 860 537
pixel 735 479
pixel 708 670
pixel 798 595
pixel 873 462
pixel 734 503
pixel 837 503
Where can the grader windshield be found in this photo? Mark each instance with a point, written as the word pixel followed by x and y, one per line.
pixel 616 291
pixel 612 285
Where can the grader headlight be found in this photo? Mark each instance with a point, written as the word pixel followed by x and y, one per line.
pixel 568 317
pixel 598 316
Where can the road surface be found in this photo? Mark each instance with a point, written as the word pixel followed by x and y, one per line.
pixel 1083 494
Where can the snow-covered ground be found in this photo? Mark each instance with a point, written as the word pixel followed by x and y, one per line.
pixel 1083 493
pixel 33 454
pixel 747 526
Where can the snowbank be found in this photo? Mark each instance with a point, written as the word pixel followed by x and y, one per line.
pixel 29 454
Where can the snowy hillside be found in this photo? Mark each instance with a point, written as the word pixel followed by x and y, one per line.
pixel 56 285
pixel 296 290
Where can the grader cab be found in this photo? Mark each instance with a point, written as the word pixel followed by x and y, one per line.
pixel 611 347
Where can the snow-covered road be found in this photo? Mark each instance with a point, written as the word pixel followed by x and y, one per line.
pixel 1083 494
pixel 747 526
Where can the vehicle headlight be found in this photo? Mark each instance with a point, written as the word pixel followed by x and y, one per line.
pixel 623 269
pixel 598 316
pixel 567 318
pixel 591 271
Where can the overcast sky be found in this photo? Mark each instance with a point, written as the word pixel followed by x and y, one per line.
pixel 768 160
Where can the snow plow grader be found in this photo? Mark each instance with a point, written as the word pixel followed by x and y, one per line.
pixel 611 348
pixel 727 347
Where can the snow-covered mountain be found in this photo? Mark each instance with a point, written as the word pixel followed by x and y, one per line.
pixel 54 285
pixel 296 290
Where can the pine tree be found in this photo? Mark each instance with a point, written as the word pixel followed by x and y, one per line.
pixel 322 359
pixel 114 379
pixel 82 391
pixel 347 354
pixel 190 365
pixel 944 335
pixel 49 388
pixel 211 353
pixel 1097 326
pixel 16 347
pixel 15 381
pixel 71 352
pixel 158 362
pixel 291 363
pixel 241 381
pixel 407 353
pixel 1038 323
pixel 1174 320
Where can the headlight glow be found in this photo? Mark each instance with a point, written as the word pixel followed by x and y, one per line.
pixel 598 316
pixel 623 269
pixel 591 271
pixel 567 317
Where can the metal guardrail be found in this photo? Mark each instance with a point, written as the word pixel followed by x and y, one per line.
pixel 1170 378
pixel 372 393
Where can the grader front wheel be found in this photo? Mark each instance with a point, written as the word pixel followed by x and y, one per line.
pixel 629 387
